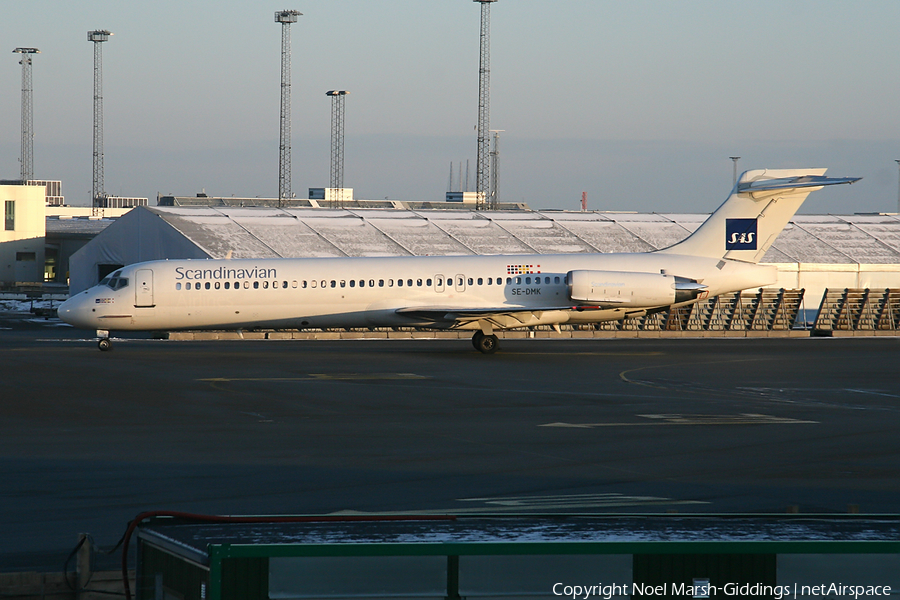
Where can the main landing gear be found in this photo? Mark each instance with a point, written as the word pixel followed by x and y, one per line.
pixel 486 344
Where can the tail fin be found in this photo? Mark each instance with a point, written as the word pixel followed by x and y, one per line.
pixel 760 205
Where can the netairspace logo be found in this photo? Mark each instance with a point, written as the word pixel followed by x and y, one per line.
pixel 705 590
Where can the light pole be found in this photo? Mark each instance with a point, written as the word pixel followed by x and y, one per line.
pixel 483 155
pixel 98 193
pixel 337 143
pixel 285 17
pixel 898 191
pixel 27 114
pixel 735 159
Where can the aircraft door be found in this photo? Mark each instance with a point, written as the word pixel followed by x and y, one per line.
pixel 143 288
pixel 439 283
pixel 460 283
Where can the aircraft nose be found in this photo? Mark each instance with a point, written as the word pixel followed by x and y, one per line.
pixel 76 312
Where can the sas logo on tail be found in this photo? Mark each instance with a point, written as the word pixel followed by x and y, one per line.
pixel 740 234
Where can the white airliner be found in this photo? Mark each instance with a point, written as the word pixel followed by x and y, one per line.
pixel 476 293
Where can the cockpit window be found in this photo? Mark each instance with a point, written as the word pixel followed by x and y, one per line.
pixel 115 283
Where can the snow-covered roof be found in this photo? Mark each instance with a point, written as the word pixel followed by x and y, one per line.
pixel 290 232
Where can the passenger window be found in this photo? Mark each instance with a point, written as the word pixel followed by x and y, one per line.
pixel 187 286
pixel 528 280
pixel 352 283
pixel 227 285
pixel 419 282
pixel 556 279
pixel 470 281
pixel 390 283
pixel 207 286
pixel 333 283
pixel 508 280
pixel 381 283
pixel 178 286
pixel 362 283
pixel 218 285
pixel 303 284
pixel 265 285
pixel 518 280
pixel 399 283
pixel 440 282
pixel 409 282
pixel 480 281
pixel 255 285
pixel 343 283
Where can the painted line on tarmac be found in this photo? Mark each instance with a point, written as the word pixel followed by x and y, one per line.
pixel 872 392
pixel 626 377
pixel 526 353
pixel 674 419
pixel 325 377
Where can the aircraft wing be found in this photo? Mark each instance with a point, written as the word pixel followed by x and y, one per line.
pixel 502 317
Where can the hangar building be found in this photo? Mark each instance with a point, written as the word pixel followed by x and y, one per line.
pixel 814 252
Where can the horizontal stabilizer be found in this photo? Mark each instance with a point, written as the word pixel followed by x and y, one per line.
pixel 804 181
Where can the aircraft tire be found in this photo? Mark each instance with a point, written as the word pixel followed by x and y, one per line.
pixel 105 344
pixel 486 344
pixel 476 338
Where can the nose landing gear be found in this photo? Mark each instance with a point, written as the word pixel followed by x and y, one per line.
pixel 104 343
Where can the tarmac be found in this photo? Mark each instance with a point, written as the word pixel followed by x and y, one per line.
pixel 89 439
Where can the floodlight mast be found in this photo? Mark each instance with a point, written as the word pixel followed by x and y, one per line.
pixel 337 142
pixel 494 202
pixel 285 17
pixel 27 159
pixel 98 193
pixel 483 157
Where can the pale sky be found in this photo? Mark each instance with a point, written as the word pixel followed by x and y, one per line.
pixel 638 103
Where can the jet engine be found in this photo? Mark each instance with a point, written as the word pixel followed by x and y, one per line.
pixel 619 288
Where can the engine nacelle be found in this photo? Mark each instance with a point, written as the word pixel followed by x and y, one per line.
pixel 637 290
